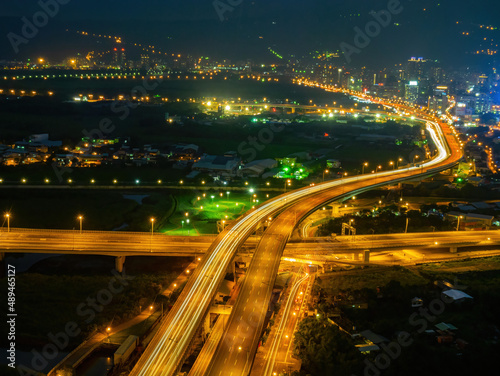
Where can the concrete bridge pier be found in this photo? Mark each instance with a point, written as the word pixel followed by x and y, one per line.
pixel 207 326
pixel 366 254
pixel 453 249
pixel 119 261
pixel 217 309
pixel 232 268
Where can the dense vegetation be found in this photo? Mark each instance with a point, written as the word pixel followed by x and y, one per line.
pixel 324 349
pixel 102 210
pixel 388 294
pixel 390 219
pixel 69 282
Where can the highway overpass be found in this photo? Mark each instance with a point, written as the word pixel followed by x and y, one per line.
pixel 165 353
pixel 122 244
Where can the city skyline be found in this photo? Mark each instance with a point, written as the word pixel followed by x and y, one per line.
pixel 249 188
pixel 293 29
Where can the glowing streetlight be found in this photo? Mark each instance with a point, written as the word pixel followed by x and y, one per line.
pixel 8 221
pixel 363 168
pixel 325 172
pixel 288 182
pixel 80 218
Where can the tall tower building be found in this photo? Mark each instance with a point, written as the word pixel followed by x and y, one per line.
pixel 119 57
pixel 417 69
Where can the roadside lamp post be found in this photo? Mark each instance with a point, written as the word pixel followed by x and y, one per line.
pixel 80 218
pixel 325 172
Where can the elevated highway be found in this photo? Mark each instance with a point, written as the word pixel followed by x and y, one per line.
pixel 110 243
pixel 165 353
pixel 229 359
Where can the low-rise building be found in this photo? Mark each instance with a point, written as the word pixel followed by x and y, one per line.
pixel 217 165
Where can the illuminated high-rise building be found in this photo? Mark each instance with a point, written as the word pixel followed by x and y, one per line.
pixel 412 92
pixel 417 69
pixel 119 57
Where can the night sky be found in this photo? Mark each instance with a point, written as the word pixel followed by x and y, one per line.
pixel 424 28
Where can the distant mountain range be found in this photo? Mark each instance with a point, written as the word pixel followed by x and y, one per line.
pixel 423 28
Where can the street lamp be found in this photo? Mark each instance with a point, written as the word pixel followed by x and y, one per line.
pixel 391 163
pixel 399 160
pixel 80 218
pixel 287 182
pixel 363 169
pixel 8 221
pixel 458 222
pixel 152 220
pixel 325 172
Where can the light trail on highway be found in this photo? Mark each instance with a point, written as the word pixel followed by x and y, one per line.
pixel 276 341
pixel 165 353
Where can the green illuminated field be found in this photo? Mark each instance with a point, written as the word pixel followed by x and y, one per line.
pixel 204 212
